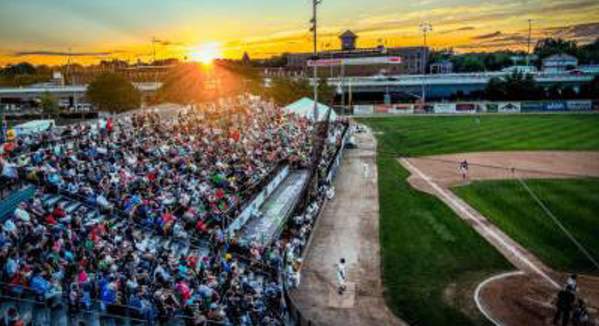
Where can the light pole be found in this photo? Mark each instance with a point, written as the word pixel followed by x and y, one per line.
pixel 314 30
pixel 425 27
pixel 529 38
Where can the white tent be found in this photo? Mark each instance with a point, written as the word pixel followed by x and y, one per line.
pixel 34 126
pixel 305 108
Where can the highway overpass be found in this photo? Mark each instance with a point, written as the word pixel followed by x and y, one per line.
pixel 69 95
pixel 442 85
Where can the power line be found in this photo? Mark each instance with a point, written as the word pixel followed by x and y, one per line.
pixel 559 224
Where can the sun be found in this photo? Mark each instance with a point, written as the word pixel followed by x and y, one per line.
pixel 206 53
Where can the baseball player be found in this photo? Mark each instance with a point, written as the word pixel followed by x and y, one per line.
pixel 464 169
pixel 341 276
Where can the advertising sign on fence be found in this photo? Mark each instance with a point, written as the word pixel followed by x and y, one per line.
pixel 555 106
pixel 382 108
pixel 445 108
pixel 466 107
pixel 579 105
pixel 508 107
pixel 402 109
pixel 492 107
pixel 532 106
pixel 363 109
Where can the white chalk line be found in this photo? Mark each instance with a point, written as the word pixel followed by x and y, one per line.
pixel 456 205
pixel 482 285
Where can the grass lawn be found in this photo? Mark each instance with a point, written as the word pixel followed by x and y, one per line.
pixel 574 202
pixel 430 135
pixel 425 247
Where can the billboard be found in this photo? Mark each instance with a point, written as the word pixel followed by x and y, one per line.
pixel 532 106
pixel 555 106
pixel 402 109
pixel 509 107
pixel 579 105
pixel 492 107
pixel 382 108
pixel 363 109
pixel 355 61
pixel 466 107
pixel 445 108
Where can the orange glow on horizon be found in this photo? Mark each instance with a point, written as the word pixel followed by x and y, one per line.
pixel 206 53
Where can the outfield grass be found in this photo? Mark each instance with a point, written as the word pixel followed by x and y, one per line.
pixel 425 247
pixel 574 202
pixel 429 135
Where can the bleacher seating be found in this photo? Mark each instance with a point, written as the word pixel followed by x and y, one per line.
pixel 11 202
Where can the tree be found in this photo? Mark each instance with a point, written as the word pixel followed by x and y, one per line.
pixel 285 90
pixel 517 86
pixel 113 93
pixel 550 46
pixel 23 68
pixel 49 104
pixel 589 53
pixel 591 90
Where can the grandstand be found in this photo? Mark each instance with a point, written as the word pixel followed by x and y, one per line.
pixel 139 218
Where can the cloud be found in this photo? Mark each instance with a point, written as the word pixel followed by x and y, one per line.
pixel 571 5
pixel 487 36
pixel 62 53
pixel 461 29
pixel 579 31
pixel 168 43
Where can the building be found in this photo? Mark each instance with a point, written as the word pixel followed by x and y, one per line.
pixel 442 67
pixel 559 62
pixel 413 59
pixel 348 40
pixel 520 69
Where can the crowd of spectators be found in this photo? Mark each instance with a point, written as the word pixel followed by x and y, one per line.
pixel 121 203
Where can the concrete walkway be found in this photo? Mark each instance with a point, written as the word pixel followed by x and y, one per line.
pixel 348 228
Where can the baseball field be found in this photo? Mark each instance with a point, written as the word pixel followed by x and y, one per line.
pixel 432 260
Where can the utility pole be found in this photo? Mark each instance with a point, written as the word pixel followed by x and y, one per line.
pixel 314 30
pixel 529 38
pixel 425 27
pixel 154 41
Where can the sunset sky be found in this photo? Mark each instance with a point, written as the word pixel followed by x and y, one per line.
pixel 43 31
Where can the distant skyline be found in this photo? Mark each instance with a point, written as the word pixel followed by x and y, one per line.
pixel 43 31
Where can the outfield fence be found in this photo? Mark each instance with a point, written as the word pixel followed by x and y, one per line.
pixel 475 107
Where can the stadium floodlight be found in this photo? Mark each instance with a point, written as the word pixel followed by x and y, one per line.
pixel 314 30
pixel 425 27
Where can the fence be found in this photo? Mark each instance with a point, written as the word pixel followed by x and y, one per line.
pixel 478 107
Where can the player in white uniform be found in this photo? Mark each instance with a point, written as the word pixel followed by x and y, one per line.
pixel 341 276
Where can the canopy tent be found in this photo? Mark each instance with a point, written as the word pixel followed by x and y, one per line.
pixel 34 126
pixel 305 108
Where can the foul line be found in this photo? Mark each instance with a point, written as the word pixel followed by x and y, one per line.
pixel 488 230
pixel 482 285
